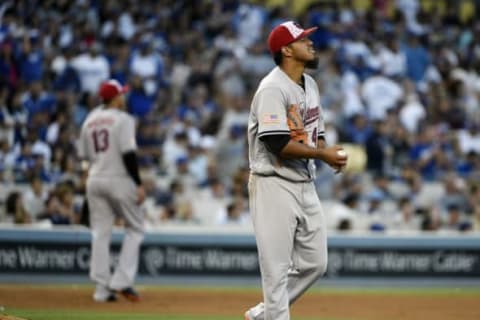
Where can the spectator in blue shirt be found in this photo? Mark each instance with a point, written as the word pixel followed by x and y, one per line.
pixel 139 102
pixel 31 59
pixel 38 100
pixel 418 59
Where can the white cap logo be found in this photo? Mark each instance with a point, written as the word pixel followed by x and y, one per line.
pixel 293 28
pixel 116 84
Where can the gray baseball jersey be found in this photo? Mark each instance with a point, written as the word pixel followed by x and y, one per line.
pixel 106 135
pixel 281 106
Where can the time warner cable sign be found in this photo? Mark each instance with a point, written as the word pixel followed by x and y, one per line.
pixel 69 253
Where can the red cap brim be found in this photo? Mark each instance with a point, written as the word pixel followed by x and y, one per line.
pixel 307 32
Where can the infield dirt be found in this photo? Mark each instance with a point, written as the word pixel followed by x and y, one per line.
pixel 355 305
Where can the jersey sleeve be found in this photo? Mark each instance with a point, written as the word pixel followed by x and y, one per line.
pixel 321 120
pixel 127 141
pixel 270 104
pixel 321 125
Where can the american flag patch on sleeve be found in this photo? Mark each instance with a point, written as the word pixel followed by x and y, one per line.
pixel 270 118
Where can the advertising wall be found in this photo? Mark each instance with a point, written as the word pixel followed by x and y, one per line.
pixel 68 251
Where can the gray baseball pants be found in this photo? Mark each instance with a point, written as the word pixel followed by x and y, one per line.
pixel 291 239
pixel 108 197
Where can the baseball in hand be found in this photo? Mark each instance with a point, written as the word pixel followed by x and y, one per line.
pixel 341 153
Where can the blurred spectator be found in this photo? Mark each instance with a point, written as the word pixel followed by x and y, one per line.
pixel 405 218
pixel 234 214
pixel 140 99
pixel 59 207
pixel 57 121
pixel 380 95
pixel 38 102
pixel 412 112
pixel 248 21
pixel 418 60
pixel 31 57
pixel 175 146
pixel 148 66
pixel 469 139
pixel 66 77
pixel 15 210
pixel 392 59
pixel 149 142
pixel 92 68
pixel 39 147
pixel 428 154
pixel 231 152
pixel 9 73
pixel 469 166
pixel 376 148
pixel 210 200
pixel 184 176
pixel 35 198
pixel 358 129
pixel 454 220
pixel 199 160
pixel 430 219
pixel 179 206
pixel 455 193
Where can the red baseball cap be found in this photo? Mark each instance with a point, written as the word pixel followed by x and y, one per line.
pixel 110 89
pixel 286 33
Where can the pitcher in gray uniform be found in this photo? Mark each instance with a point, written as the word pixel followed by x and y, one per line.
pixel 285 135
pixel 107 142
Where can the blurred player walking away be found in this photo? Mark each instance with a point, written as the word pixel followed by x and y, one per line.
pixel 285 134
pixel 114 188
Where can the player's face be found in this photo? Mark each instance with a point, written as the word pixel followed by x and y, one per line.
pixel 303 51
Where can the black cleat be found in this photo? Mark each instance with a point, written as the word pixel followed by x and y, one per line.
pixel 130 294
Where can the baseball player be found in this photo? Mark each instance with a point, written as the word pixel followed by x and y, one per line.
pixel 107 142
pixel 285 134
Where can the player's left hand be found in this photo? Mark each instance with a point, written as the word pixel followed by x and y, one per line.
pixel 140 194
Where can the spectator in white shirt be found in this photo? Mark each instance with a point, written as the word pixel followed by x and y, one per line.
pixel 235 213
pixel 249 20
pixel 92 67
pixel 412 112
pixel 147 64
pixel 469 139
pixel 380 95
pixel 393 60
pixel 35 198
pixel 352 102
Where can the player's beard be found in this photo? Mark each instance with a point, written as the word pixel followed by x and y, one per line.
pixel 312 64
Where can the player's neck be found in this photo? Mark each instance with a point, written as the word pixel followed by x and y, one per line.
pixel 294 71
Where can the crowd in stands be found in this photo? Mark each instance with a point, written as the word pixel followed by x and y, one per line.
pixel 400 88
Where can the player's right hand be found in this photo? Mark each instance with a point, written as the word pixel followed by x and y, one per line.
pixel 333 159
pixel 140 194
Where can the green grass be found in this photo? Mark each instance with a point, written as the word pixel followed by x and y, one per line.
pixel 84 315
pixel 33 314
pixel 440 291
